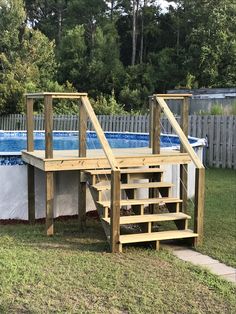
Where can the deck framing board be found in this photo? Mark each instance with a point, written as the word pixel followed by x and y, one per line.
pixel 86 163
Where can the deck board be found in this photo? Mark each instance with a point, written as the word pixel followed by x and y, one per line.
pixel 69 160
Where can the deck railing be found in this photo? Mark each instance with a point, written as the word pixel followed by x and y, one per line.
pixel 85 111
pixel 158 105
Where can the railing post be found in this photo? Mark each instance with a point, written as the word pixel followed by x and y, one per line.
pixel 115 212
pixel 156 128
pixel 199 204
pixel 150 121
pixel 48 116
pixel 30 124
pixel 184 167
pixel 49 175
pixel 82 153
pixel 156 148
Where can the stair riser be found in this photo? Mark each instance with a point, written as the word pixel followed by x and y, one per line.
pixel 125 178
pixel 133 193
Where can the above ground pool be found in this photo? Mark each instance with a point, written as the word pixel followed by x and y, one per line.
pixel 14 142
pixel 13 171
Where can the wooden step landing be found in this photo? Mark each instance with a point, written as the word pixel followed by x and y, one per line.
pixel 145 201
pixel 157 236
pixel 124 220
pixel 135 186
pixel 125 171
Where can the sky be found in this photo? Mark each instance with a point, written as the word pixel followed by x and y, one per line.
pixel 164 4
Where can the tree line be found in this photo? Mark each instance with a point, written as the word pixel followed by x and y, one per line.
pixel 118 51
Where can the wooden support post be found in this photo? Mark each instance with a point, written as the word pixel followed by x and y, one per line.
pixel 115 211
pixel 184 167
pixel 156 149
pixel 156 128
pixel 48 120
pixel 82 181
pixel 49 195
pixel 150 121
pixel 199 204
pixel 31 194
pixel 30 124
pixel 82 130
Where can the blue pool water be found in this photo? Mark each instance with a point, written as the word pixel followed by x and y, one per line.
pixel 16 141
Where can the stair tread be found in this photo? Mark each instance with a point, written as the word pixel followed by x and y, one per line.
pixel 135 185
pixel 145 201
pixel 130 170
pixel 150 218
pixel 157 236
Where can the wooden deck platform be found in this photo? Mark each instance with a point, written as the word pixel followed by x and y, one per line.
pixel 115 162
pixel 96 159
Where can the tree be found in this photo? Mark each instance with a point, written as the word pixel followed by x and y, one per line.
pixel 73 58
pixel 27 58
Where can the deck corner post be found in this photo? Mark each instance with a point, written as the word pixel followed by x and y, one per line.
pixel 49 197
pixel 156 127
pixel 31 193
pixel 115 212
pixel 82 153
pixel 48 120
pixel 184 167
pixel 30 124
pixel 150 100
pixel 199 204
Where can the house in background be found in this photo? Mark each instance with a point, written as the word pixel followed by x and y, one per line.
pixel 204 99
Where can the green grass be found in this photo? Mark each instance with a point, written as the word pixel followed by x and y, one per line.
pixel 220 215
pixel 73 273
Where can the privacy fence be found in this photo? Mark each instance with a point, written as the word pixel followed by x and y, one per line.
pixel 220 131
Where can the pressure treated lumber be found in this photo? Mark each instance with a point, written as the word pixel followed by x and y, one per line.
pixel 173 95
pixel 49 197
pixel 180 133
pixel 100 134
pixel 138 161
pixel 184 167
pixel 162 235
pixel 82 182
pixel 134 219
pixel 115 211
pixel 199 204
pixel 30 124
pixel 31 193
pixel 145 201
pixel 127 186
pixel 130 170
pixel 156 125
pixel 55 95
pixel 48 120
pixel 82 130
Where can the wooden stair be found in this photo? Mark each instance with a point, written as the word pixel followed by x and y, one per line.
pixel 135 219
pixel 157 236
pixel 144 212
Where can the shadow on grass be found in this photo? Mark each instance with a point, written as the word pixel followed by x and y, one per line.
pixel 67 236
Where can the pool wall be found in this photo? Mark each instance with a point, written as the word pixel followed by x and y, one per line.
pixel 13 196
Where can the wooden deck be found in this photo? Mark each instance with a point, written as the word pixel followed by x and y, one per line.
pixel 115 160
pixel 96 159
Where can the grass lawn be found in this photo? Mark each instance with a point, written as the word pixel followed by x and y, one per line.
pixel 220 216
pixel 73 273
